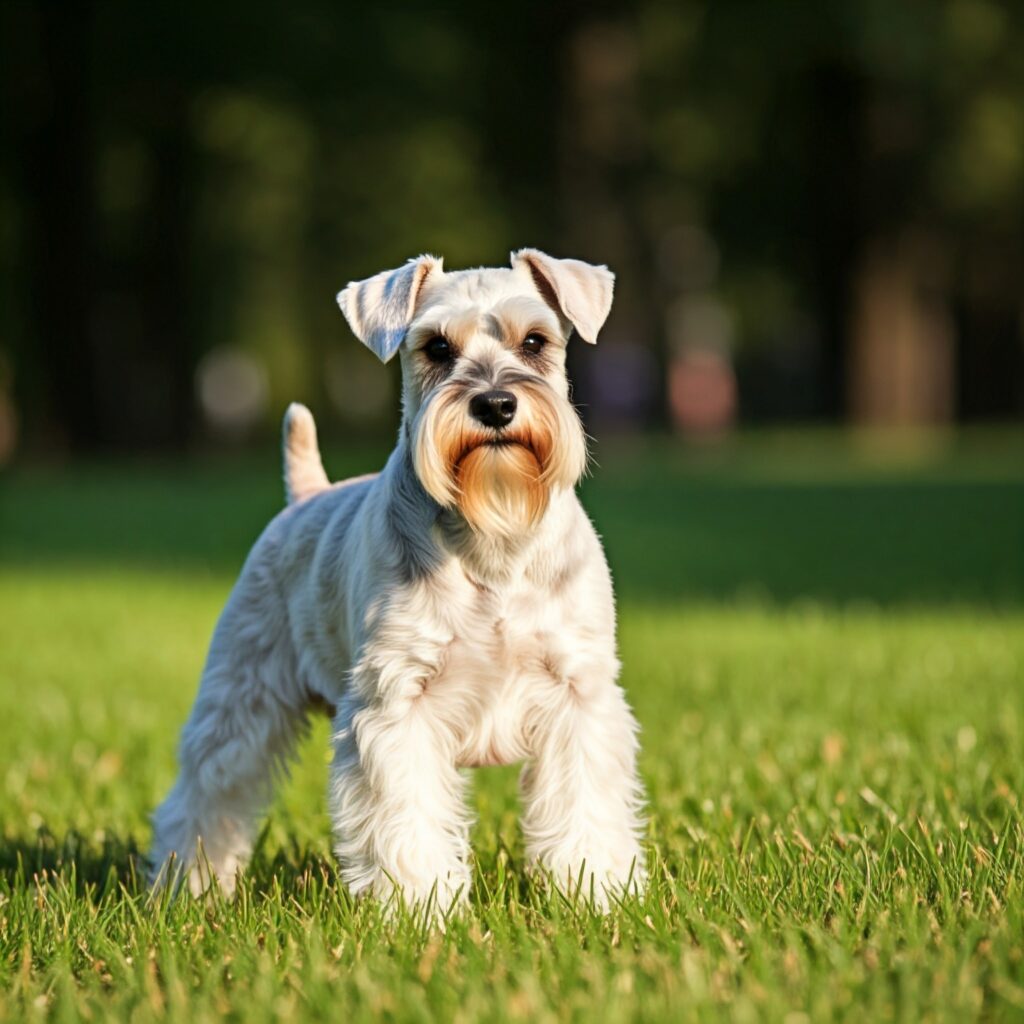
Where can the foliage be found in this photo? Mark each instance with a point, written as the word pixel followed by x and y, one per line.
pixel 183 177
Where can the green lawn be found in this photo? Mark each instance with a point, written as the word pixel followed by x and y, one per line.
pixel 824 645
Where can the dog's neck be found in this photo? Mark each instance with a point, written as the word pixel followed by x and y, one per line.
pixel 428 534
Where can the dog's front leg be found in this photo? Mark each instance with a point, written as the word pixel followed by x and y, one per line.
pixel 582 797
pixel 397 798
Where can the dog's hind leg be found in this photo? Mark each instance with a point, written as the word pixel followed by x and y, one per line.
pixel 246 720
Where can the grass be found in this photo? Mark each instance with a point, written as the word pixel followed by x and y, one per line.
pixel 825 650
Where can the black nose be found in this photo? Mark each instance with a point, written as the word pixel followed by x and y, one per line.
pixel 493 408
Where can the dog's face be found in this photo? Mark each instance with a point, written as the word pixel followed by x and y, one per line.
pixel 486 406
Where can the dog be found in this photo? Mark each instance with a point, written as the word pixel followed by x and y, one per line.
pixel 453 611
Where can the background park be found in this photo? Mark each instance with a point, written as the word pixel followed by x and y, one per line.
pixel 808 412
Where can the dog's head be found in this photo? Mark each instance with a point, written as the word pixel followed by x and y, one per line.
pixel 486 407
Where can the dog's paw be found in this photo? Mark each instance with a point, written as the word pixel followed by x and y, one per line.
pixel 433 897
pixel 596 883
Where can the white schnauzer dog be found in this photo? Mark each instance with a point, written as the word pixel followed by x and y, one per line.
pixel 454 610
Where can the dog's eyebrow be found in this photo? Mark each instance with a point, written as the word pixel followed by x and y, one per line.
pixel 520 315
pixel 460 327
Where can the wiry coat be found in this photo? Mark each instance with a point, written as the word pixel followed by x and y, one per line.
pixel 453 611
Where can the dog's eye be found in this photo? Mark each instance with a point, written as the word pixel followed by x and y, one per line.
pixel 534 343
pixel 438 350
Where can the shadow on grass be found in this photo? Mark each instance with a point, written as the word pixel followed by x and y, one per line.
pixel 84 865
pixel 98 871
pixel 880 542
pixel 93 868
pixel 674 529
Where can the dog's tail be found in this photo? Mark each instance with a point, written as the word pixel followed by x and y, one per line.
pixel 303 469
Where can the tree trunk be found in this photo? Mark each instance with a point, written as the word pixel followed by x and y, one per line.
pixel 901 355
pixel 835 199
pixel 168 341
pixel 58 161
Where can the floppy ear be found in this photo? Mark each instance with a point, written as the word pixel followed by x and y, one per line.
pixel 380 309
pixel 580 291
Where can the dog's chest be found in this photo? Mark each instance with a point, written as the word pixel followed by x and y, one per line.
pixel 495 677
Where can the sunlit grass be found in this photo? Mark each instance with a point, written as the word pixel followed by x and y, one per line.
pixel 835 774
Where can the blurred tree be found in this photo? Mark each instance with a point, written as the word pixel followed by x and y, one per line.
pixel 829 195
pixel 52 184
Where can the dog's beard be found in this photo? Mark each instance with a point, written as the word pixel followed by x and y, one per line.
pixel 500 488
pixel 501 482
